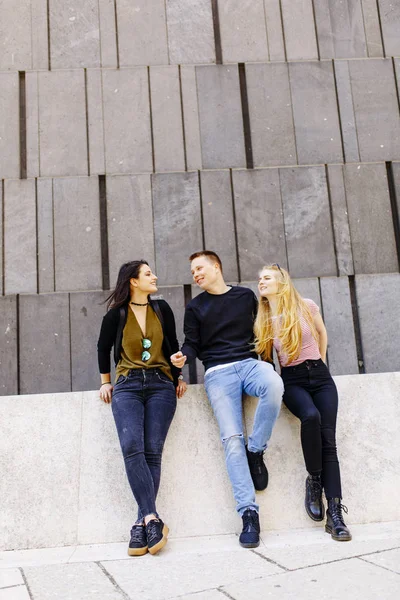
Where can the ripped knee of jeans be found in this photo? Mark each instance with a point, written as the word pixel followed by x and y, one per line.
pixel 235 439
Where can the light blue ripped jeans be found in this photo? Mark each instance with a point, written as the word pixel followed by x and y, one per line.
pixel 224 389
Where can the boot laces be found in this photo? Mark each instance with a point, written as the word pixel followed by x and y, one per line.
pixel 153 529
pixel 250 521
pixel 137 533
pixel 315 489
pixel 336 513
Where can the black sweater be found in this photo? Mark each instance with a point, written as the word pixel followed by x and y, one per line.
pixel 109 333
pixel 219 327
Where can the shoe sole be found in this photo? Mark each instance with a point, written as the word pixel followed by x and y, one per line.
pixel 338 538
pixel 137 551
pixel 250 545
pixel 157 547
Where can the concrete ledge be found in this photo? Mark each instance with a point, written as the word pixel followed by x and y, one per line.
pixel 63 480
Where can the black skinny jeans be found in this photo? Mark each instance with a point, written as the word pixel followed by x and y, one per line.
pixel 143 405
pixel 311 395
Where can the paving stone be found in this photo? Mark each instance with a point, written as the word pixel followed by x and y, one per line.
pixel 108 34
pixel 45 350
pixel 177 225
pixel 15 593
pixel 370 219
pixel 243 30
pixel 388 560
pixel 273 17
pixel 77 234
pixel 20 273
pixel 376 109
pixel 86 312
pixel 299 29
pixel 340 218
pixel 129 207
pixel 271 117
pixel 308 227
pixel 389 14
pixel 377 300
pixel 62 123
pixel 191 123
pixel 340 28
pixel 21 26
pixel 166 112
pixel 95 115
pixel 71 582
pixel 259 220
pixel 338 317
pixel 315 113
pixel 127 121
pixel 220 114
pixel 45 235
pixel 8 346
pixel 218 219
pixel 32 123
pixel 142 32
pixel 190 32
pixel 346 110
pixel 372 28
pixel 9 131
pixel 74 34
pixel 10 577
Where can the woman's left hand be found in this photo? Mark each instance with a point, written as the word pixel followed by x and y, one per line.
pixel 181 388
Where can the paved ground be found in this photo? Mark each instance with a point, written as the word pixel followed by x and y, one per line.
pixel 301 564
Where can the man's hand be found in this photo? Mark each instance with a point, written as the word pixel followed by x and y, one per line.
pixel 178 359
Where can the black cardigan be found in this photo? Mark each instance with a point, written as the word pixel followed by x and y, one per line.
pixel 109 333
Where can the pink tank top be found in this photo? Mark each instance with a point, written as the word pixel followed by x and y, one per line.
pixel 309 348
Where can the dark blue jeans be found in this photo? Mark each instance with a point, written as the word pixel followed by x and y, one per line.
pixel 311 395
pixel 143 405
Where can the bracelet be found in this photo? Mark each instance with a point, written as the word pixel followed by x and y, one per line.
pixel 105 383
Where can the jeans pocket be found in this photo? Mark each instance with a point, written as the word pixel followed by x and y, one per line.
pixel 163 378
pixel 121 379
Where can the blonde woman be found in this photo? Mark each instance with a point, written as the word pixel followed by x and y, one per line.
pixel 294 327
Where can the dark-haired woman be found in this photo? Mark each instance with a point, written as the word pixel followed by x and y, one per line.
pixel 143 398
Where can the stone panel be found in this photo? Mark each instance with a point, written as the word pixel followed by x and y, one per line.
pixel 86 312
pixel 9 125
pixel 389 13
pixel 8 346
pixel 130 221
pixel 218 219
pixel 74 34
pixel 273 17
pixel 166 112
pixel 1 239
pixel 191 123
pixel 346 110
pixel 127 121
pixel 309 288
pixel 370 218
pixel 177 225
pixel 340 218
pixel 271 117
pixel 259 220
pixel 190 32
pixel 378 300
pixel 243 30
pixel 376 109
pixel 94 87
pixel 22 25
pixel 20 274
pixel 108 34
pixel 315 113
pixel 77 252
pixel 340 28
pixel 299 29
pixel 142 32
pixel 372 28
pixel 45 234
pixel 338 317
pixel 308 226
pixel 40 38
pixel 62 123
pixel 175 297
pixel 220 113
pixel 44 343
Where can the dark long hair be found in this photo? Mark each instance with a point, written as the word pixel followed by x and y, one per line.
pixel 122 291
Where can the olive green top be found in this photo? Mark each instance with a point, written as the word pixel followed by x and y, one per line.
pixel 132 347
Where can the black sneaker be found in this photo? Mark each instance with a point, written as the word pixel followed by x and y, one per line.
pixel 258 470
pixel 138 543
pixel 250 536
pixel 156 532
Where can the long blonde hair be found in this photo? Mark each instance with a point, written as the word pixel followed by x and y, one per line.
pixel 290 308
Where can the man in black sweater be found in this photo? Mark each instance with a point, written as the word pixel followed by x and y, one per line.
pixel 219 330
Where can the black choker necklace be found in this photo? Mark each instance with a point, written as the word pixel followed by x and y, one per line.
pixel 136 304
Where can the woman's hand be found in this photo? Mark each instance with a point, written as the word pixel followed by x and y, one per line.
pixel 106 393
pixel 181 388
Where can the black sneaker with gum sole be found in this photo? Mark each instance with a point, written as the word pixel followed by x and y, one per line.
pixel 157 533
pixel 138 541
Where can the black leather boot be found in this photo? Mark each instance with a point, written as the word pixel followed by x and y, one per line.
pixel 335 524
pixel 313 500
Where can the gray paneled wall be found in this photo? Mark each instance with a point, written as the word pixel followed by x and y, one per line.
pixel 267 130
